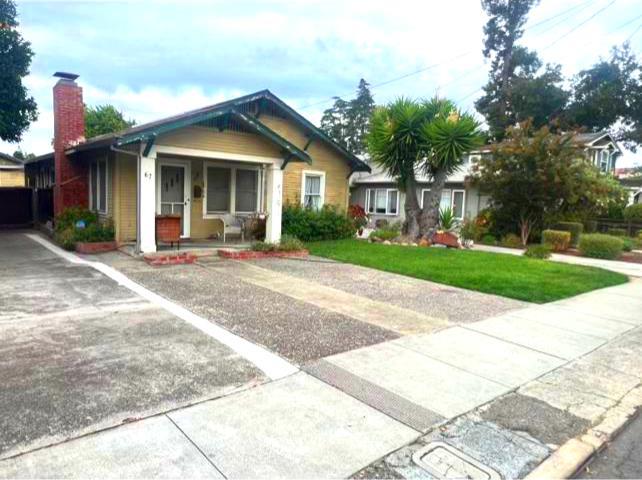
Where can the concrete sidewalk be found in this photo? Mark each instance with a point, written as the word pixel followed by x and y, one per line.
pixel 626 268
pixel 503 392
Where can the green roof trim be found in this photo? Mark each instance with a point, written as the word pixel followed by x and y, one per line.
pixel 254 124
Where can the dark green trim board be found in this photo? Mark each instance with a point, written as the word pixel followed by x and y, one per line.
pixel 149 145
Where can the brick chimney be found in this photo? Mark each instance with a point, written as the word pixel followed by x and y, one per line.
pixel 72 183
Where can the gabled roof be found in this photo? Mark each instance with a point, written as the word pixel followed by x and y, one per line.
pixel 217 115
pixel 590 139
pixel 9 162
pixel 10 158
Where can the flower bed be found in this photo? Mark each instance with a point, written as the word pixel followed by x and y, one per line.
pixel 252 255
pixel 96 247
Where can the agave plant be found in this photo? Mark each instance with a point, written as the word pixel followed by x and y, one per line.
pixel 447 220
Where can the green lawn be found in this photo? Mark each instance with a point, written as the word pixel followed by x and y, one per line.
pixel 522 278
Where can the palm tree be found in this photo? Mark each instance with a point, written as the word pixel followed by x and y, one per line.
pixel 395 143
pixel 448 138
pixel 431 136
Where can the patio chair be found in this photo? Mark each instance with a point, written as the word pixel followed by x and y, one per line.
pixel 233 224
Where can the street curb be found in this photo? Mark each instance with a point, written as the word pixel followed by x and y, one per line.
pixel 568 460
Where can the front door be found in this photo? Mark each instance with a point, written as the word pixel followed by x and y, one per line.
pixel 174 193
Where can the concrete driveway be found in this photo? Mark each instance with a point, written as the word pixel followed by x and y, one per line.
pixel 79 353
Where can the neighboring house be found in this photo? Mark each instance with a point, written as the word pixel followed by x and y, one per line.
pixel 211 165
pixel 12 172
pixel 631 180
pixel 380 196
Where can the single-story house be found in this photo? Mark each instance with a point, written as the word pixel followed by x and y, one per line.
pixel 381 197
pixel 12 173
pixel 245 156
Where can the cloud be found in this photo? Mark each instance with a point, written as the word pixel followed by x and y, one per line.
pixel 152 58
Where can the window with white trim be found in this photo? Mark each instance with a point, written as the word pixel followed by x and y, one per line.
pixel 454 199
pixel 98 185
pixel 382 201
pixel 604 161
pixel 313 189
pixel 231 189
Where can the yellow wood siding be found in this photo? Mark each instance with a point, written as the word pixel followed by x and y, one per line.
pixel 12 178
pixel 227 141
pixel 124 202
pixel 324 159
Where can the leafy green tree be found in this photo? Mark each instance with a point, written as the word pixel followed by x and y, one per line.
pixel 20 155
pixel 408 136
pixel 535 178
pixel 347 122
pixel 17 108
pixel 104 119
pixel 608 95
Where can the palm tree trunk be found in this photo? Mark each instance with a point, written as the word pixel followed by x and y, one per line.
pixel 429 220
pixel 412 210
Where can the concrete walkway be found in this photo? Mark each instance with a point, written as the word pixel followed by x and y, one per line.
pixel 627 268
pixel 557 368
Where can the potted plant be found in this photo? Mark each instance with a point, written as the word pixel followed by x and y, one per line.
pixel 448 225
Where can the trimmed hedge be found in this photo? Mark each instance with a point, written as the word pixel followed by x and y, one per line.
pixel 598 245
pixel 309 225
pixel 557 239
pixel 575 228
pixel 541 251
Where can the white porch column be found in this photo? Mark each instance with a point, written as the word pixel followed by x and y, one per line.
pixel 146 205
pixel 274 203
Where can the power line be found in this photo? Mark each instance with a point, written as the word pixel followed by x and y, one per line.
pixel 634 33
pixel 435 65
pixel 580 24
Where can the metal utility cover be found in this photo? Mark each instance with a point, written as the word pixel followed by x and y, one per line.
pixel 447 462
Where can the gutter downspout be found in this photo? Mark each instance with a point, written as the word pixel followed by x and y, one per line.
pixel 137 155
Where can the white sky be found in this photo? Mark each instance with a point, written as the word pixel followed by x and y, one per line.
pixel 152 59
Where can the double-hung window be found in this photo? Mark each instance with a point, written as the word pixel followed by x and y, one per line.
pixel 453 199
pixel 98 185
pixel 604 160
pixel 231 189
pixel 382 201
pixel 313 189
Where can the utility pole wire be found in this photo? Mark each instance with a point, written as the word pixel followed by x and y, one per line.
pixel 580 24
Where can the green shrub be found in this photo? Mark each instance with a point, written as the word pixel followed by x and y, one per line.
pixel 541 251
pixel 69 216
pixel 511 241
pixel 557 239
pixel 289 243
pixel 617 232
pixel 598 245
pixel 590 226
pixel 262 246
pixel 66 238
pixel 628 244
pixel 95 232
pixel 310 225
pixel 384 234
pixel 472 230
pixel 575 228
pixel 488 239
pixel 633 212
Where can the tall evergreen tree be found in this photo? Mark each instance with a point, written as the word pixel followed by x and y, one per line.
pixel 608 95
pixel 347 122
pixel 104 119
pixel 17 108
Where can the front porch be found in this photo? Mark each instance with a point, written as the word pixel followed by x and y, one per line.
pixel 214 193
